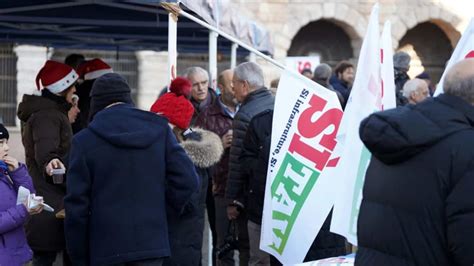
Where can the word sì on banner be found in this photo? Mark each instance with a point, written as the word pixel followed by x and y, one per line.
pixel 464 49
pixel 373 90
pixel 305 122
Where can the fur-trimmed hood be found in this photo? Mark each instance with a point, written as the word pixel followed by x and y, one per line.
pixel 205 152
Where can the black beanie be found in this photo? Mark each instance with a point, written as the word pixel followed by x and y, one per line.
pixel 4 132
pixel 108 89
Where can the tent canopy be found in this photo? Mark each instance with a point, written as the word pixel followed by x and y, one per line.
pixel 115 25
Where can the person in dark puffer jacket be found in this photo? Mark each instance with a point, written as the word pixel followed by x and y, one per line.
pixel 255 156
pixel 418 204
pixel 249 90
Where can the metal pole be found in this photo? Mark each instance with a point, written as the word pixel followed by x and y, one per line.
pixel 233 55
pixel 213 59
pixel 172 43
pixel 252 57
pixel 231 38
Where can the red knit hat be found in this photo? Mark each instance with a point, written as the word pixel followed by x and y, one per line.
pixel 181 86
pixel 174 105
pixel 56 77
pixel 93 69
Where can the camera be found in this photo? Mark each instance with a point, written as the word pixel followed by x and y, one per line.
pixel 231 241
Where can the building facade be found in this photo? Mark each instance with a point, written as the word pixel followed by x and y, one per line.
pixel 332 29
pixel 427 29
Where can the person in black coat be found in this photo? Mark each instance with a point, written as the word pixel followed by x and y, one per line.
pixel 401 65
pixel 255 156
pixel 121 178
pixel 205 150
pixel 88 71
pixel 418 204
pixel 249 91
pixel 254 164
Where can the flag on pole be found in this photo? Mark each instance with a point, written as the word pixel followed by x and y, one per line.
pixel 373 90
pixel 305 122
pixel 464 49
pixel 387 75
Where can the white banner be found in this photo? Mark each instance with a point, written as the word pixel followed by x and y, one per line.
pixel 347 260
pixel 297 202
pixel 387 74
pixel 298 63
pixel 369 94
pixel 464 49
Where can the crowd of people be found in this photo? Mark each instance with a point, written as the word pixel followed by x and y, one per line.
pixel 138 184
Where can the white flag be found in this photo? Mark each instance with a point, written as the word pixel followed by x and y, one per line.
pixel 305 122
pixel 387 74
pixel 464 49
pixel 369 94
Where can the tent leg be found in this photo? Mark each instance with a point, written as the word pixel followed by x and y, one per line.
pixel 233 55
pixel 252 57
pixel 172 43
pixel 213 59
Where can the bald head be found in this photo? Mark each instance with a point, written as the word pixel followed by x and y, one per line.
pixel 459 80
pixel 225 77
pixel 224 81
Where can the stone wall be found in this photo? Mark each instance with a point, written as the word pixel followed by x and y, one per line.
pixel 285 18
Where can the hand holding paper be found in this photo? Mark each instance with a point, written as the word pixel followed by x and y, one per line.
pixel 34 204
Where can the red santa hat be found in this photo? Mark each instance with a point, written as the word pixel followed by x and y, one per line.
pixel 94 69
pixel 175 105
pixel 56 77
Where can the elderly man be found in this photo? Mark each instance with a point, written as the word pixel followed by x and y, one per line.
pixel 417 206
pixel 201 95
pixel 218 118
pixel 249 90
pixel 416 90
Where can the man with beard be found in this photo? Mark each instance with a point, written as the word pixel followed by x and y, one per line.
pixel 218 118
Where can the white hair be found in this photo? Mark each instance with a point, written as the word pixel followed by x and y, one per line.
pixel 191 71
pixel 413 86
pixel 250 72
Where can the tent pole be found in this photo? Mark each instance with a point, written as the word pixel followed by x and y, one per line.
pixel 252 57
pixel 172 44
pixel 231 38
pixel 233 55
pixel 213 59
